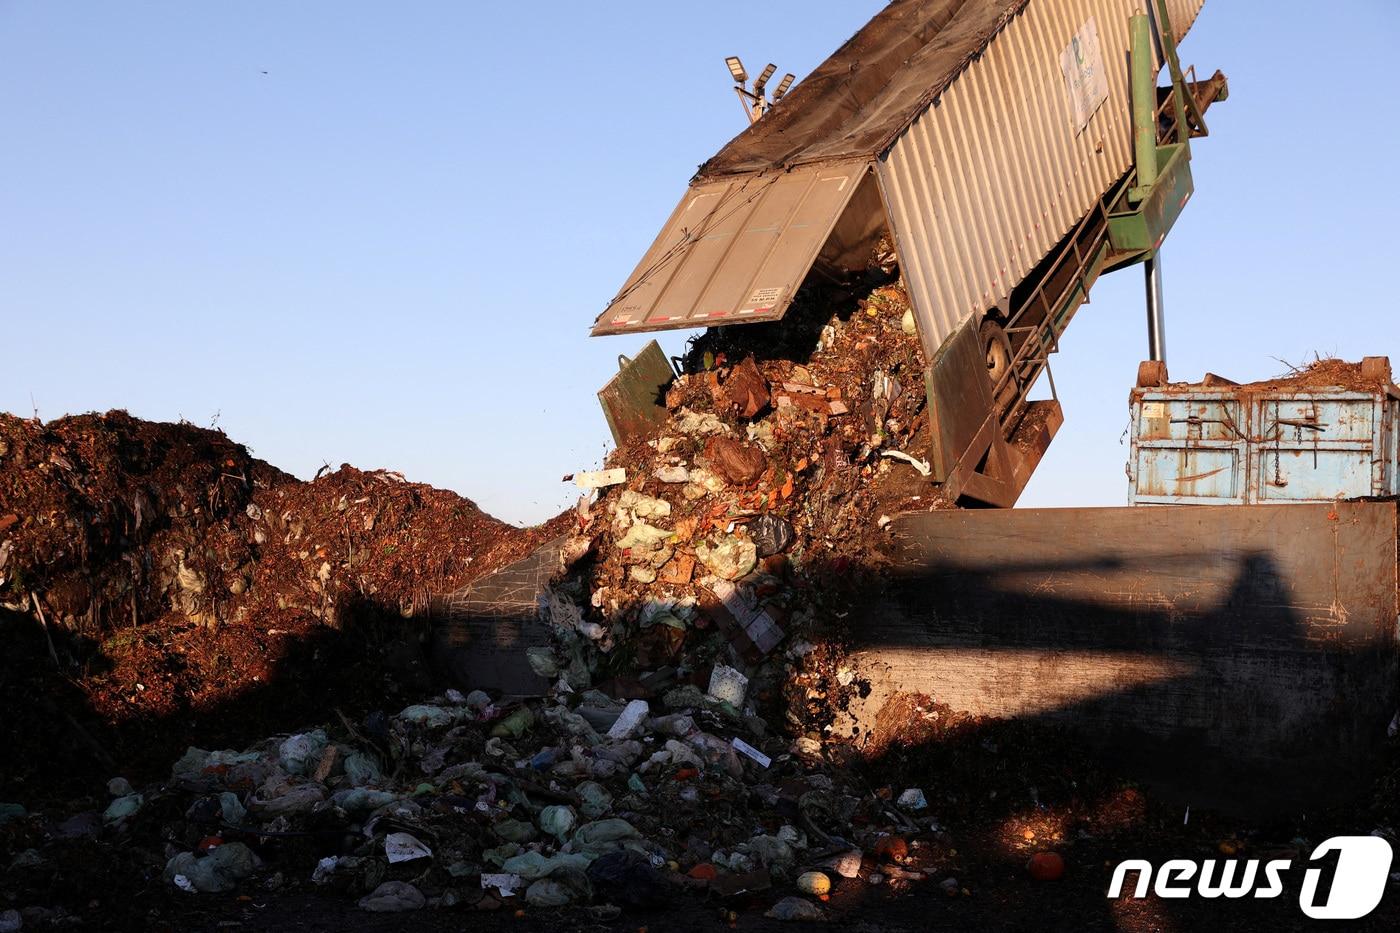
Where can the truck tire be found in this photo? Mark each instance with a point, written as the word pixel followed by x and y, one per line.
pixel 998 349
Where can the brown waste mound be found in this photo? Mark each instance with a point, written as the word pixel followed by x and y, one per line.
pixel 99 511
pixel 1322 373
pixel 179 577
pixel 352 537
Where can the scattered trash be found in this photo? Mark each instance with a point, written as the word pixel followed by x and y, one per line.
pixel 913 799
pixel 795 908
pixel 629 879
pixel 728 685
pixel 515 725
pixel 630 720
pixel 123 807
pixel 558 820
pixel 504 882
pixel 598 479
pixel 620 781
pixel 814 882
pixel 393 897
pixel 740 463
pixel 728 557
pixel 1046 866
pixel 893 848
pixel 672 474
pixel 744 748
pixel 745 390
pixel 771 534
pixel 217 872
pixel 846 864
pixel 921 465
pixel 404 847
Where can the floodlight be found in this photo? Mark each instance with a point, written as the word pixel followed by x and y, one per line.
pixel 762 81
pixel 783 86
pixel 736 68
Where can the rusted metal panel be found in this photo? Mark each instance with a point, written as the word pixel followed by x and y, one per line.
pixel 1234 640
pixel 481 632
pixel 982 185
pixel 734 251
pixel 1320 447
pixel 634 400
pixel 1242 444
pixel 1190 450
pixel 959 399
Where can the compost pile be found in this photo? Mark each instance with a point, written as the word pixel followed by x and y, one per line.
pixel 173 572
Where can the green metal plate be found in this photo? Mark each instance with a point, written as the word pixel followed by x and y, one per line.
pixel 634 400
pixel 1146 227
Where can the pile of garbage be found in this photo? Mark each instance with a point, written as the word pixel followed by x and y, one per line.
pixel 150 572
pixel 746 522
pixel 687 741
pixel 111 521
pixel 467 802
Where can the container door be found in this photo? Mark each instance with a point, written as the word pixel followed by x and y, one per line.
pixel 1312 447
pixel 1188 450
pixel 734 251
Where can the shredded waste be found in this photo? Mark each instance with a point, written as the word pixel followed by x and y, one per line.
pixel 163 589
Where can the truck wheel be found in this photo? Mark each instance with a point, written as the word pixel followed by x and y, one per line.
pixel 998 348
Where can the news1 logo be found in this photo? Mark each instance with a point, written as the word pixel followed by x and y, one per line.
pixel 1357 867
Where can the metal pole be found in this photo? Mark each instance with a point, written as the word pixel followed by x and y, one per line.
pixel 1144 103
pixel 1156 319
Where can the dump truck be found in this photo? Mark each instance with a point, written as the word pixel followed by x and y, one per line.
pixel 1245 654
pixel 1012 150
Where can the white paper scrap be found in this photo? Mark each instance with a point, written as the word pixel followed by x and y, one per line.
pixel 745 748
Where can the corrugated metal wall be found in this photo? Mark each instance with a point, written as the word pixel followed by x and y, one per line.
pixel 987 181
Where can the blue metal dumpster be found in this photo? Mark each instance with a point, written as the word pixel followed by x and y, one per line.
pixel 1273 442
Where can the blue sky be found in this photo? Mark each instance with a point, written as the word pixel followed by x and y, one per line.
pixel 378 233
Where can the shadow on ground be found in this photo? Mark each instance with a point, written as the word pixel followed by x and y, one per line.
pixel 989 782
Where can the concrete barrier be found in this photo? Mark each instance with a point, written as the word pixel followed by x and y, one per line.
pixel 1210 649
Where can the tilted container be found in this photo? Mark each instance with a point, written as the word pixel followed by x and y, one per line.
pixel 1012 151
pixel 979 131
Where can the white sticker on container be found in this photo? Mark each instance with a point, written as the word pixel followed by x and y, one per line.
pixel 1085 78
pixel 763 299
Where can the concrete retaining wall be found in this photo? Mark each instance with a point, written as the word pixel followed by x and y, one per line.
pixel 1210 648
